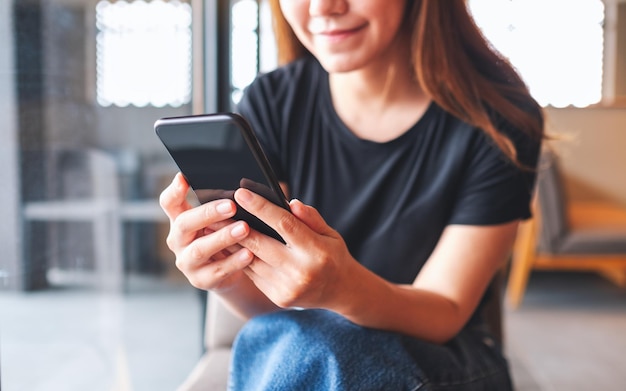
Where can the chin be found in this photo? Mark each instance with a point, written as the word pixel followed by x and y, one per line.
pixel 340 65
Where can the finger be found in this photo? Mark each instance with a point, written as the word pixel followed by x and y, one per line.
pixel 173 198
pixel 200 252
pixel 261 268
pixel 226 252
pixel 270 284
pixel 266 286
pixel 199 221
pixel 311 217
pixel 270 250
pixel 281 220
pixel 212 274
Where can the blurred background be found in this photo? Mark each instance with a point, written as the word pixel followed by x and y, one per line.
pixel 89 295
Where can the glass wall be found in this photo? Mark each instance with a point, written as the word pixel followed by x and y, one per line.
pixel 90 298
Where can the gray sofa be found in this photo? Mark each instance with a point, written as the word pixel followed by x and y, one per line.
pixel 221 327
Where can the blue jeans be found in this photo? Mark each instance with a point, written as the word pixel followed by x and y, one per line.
pixel 320 350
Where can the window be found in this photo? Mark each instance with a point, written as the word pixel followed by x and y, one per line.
pixel 245 45
pixel 556 45
pixel 252 42
pixel 143 53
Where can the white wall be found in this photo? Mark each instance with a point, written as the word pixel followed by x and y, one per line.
pixel 594 153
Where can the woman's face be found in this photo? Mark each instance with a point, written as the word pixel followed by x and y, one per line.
pixel 346 35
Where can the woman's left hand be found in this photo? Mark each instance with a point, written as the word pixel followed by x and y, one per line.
pixel 309 269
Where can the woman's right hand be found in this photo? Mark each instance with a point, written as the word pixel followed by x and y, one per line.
pixel 204 238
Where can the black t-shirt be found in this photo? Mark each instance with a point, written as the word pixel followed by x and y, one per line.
pixel 390 201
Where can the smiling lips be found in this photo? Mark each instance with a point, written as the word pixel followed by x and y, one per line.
pixel 335 35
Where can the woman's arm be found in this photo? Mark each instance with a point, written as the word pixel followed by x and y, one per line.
pixel 446 291
pixel 315 270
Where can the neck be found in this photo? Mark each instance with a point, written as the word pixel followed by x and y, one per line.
pixel 381 101
pixel 376 85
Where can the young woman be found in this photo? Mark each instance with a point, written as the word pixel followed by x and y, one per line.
pixel 408 146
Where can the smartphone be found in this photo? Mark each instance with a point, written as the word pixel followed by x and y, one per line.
pixel 219 153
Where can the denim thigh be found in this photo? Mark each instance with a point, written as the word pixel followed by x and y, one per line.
pixel 321 350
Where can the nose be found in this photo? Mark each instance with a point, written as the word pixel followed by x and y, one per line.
pixel 327 7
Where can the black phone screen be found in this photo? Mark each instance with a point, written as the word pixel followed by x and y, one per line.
pixel 217 154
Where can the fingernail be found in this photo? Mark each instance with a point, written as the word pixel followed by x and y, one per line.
pixel 224 207
pixel 238 231
pixel 244 255
pixel 179 181
pixel 244 195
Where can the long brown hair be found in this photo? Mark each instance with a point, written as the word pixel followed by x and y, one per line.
pixel 456 66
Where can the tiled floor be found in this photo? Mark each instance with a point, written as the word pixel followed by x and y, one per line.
pixel 79 339
pixel 570 334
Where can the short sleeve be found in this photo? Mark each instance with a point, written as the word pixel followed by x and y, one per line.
pixel 494 190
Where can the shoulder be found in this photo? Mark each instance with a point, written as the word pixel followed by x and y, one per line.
pixel 527 146
pixel 277 97
pixel 477 143
pixel 495 189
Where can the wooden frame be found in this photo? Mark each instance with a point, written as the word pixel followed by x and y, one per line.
pixel 526 257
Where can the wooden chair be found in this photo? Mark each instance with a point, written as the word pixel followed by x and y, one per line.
pixel 567 235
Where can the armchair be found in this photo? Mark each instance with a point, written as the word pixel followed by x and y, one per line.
pixel 567 235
